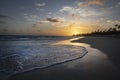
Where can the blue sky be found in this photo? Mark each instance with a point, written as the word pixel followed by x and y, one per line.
pixel 57 17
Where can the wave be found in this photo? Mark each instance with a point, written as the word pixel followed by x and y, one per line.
pixel 25 56
pixel 23 38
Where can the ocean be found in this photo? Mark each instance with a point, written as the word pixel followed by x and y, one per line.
pixel 24 53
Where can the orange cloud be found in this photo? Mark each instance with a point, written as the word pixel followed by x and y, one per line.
pixel 92 2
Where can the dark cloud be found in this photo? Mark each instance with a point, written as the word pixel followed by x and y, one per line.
pixel 52 20
pixel 3 16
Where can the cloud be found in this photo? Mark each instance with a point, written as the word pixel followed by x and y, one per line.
pixel 39 9
pixel 3 16
pixel 32 18
pixel 52 20
pixel 118 3
pixel 91 2
pixel 80 12
pixel 56 20
pixel 75 15
pixel 66 8
pixel 74 12
pixel 40 4
pixel 25 14
pixel 44 22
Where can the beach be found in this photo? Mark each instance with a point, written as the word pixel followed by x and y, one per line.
pixel 102 62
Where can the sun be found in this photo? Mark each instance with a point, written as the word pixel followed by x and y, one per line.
pixel 75 33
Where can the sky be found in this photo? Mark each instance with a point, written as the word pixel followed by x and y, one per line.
pixel 57 17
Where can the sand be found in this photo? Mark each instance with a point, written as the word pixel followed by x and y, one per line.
pixel 102 62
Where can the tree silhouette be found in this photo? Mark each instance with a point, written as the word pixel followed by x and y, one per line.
pixel 115 30
pixel 117 26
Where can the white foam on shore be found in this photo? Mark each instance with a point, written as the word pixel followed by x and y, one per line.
pixel 29 55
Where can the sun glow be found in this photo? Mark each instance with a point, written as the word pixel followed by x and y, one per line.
pixel 75 33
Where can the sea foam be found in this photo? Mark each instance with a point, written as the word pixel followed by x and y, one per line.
pixel 21 56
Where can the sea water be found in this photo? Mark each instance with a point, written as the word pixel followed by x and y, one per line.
pixel 24 53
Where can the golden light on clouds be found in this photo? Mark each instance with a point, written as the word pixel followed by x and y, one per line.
pixel 77 28
pixel 41 17
pixel 92 2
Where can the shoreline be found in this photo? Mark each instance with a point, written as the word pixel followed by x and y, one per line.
pixel 93 66
pixel 69 57
pixel 108 45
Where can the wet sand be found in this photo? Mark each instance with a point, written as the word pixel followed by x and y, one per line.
pixel 102 62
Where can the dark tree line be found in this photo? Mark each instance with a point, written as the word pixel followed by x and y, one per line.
pixel 111 31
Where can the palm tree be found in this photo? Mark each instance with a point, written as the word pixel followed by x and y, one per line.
pixel 114 29
pixel 110 29
pixel 117 26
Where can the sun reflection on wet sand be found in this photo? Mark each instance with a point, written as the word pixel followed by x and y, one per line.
pixel 68 42
pixel 93 60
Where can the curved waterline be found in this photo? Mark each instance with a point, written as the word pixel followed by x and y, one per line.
pixel 34 55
